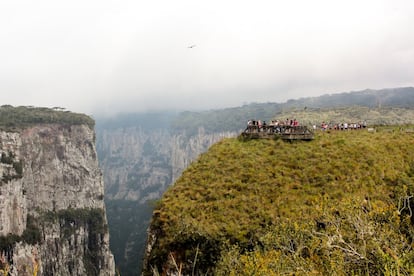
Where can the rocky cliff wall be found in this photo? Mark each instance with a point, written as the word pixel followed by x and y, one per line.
pixel 186 149
pixel 52 213
pixel 139 165
pixel 135 162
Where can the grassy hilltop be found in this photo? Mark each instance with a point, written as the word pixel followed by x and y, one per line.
pixel 12 118
pixel 338 205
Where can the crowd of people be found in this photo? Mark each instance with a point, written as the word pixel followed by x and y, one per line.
pixel 341 126
pixel 276 126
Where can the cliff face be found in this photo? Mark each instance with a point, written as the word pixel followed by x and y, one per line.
pixel 186 149
pixel 140 164
pixel 52 213
pixel 135 162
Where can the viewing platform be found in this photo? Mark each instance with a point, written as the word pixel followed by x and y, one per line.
pixel 284 132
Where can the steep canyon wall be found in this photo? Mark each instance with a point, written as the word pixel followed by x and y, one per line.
pixel 52 213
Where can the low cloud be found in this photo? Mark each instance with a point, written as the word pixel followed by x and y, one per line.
pixel 106 57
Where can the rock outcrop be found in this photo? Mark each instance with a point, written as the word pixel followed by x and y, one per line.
pixel 52 213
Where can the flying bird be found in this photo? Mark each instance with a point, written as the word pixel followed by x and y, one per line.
pixel 191 46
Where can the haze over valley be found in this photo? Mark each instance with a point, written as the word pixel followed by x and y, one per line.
pixel 109 109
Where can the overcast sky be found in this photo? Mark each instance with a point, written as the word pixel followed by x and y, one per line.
pixel 108 56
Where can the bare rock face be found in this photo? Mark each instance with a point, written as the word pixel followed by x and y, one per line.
pixel 135 161
pixel 65 156
pixel 139 164
pixel 13 203
pixel 186 149
pixel 52 213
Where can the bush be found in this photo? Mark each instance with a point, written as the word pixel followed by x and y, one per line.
pixel 7 158
pixel 18 167
pixel 31 234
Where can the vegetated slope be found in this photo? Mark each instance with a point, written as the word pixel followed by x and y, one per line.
pixel 397 97
pixel 350 114
pixel 234 119
pixel 137 160
pixel 341 204
pixel 172 139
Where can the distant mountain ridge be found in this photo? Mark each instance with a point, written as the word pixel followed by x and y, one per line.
pixel 396 97
pixel 234 119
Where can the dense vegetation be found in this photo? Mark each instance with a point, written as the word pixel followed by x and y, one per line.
pixel 128 222
pixel 228 119
pixel 351 114
pixel 93 220
pixel 23 116
pixel 402 97
pixel 341 204
pixel 9 158
pixel 31 235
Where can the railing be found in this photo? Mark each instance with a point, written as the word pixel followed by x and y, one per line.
pixel 284 132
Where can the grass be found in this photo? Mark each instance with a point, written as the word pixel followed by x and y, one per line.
pixel 267 207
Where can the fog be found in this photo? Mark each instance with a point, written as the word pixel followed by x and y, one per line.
pixel 103 57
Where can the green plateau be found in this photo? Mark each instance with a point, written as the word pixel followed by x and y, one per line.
pixel 13 118
pixel 341 204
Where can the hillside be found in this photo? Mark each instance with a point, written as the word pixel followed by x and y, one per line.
pixel 341 204
pixel 350 114
pixel 142 154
